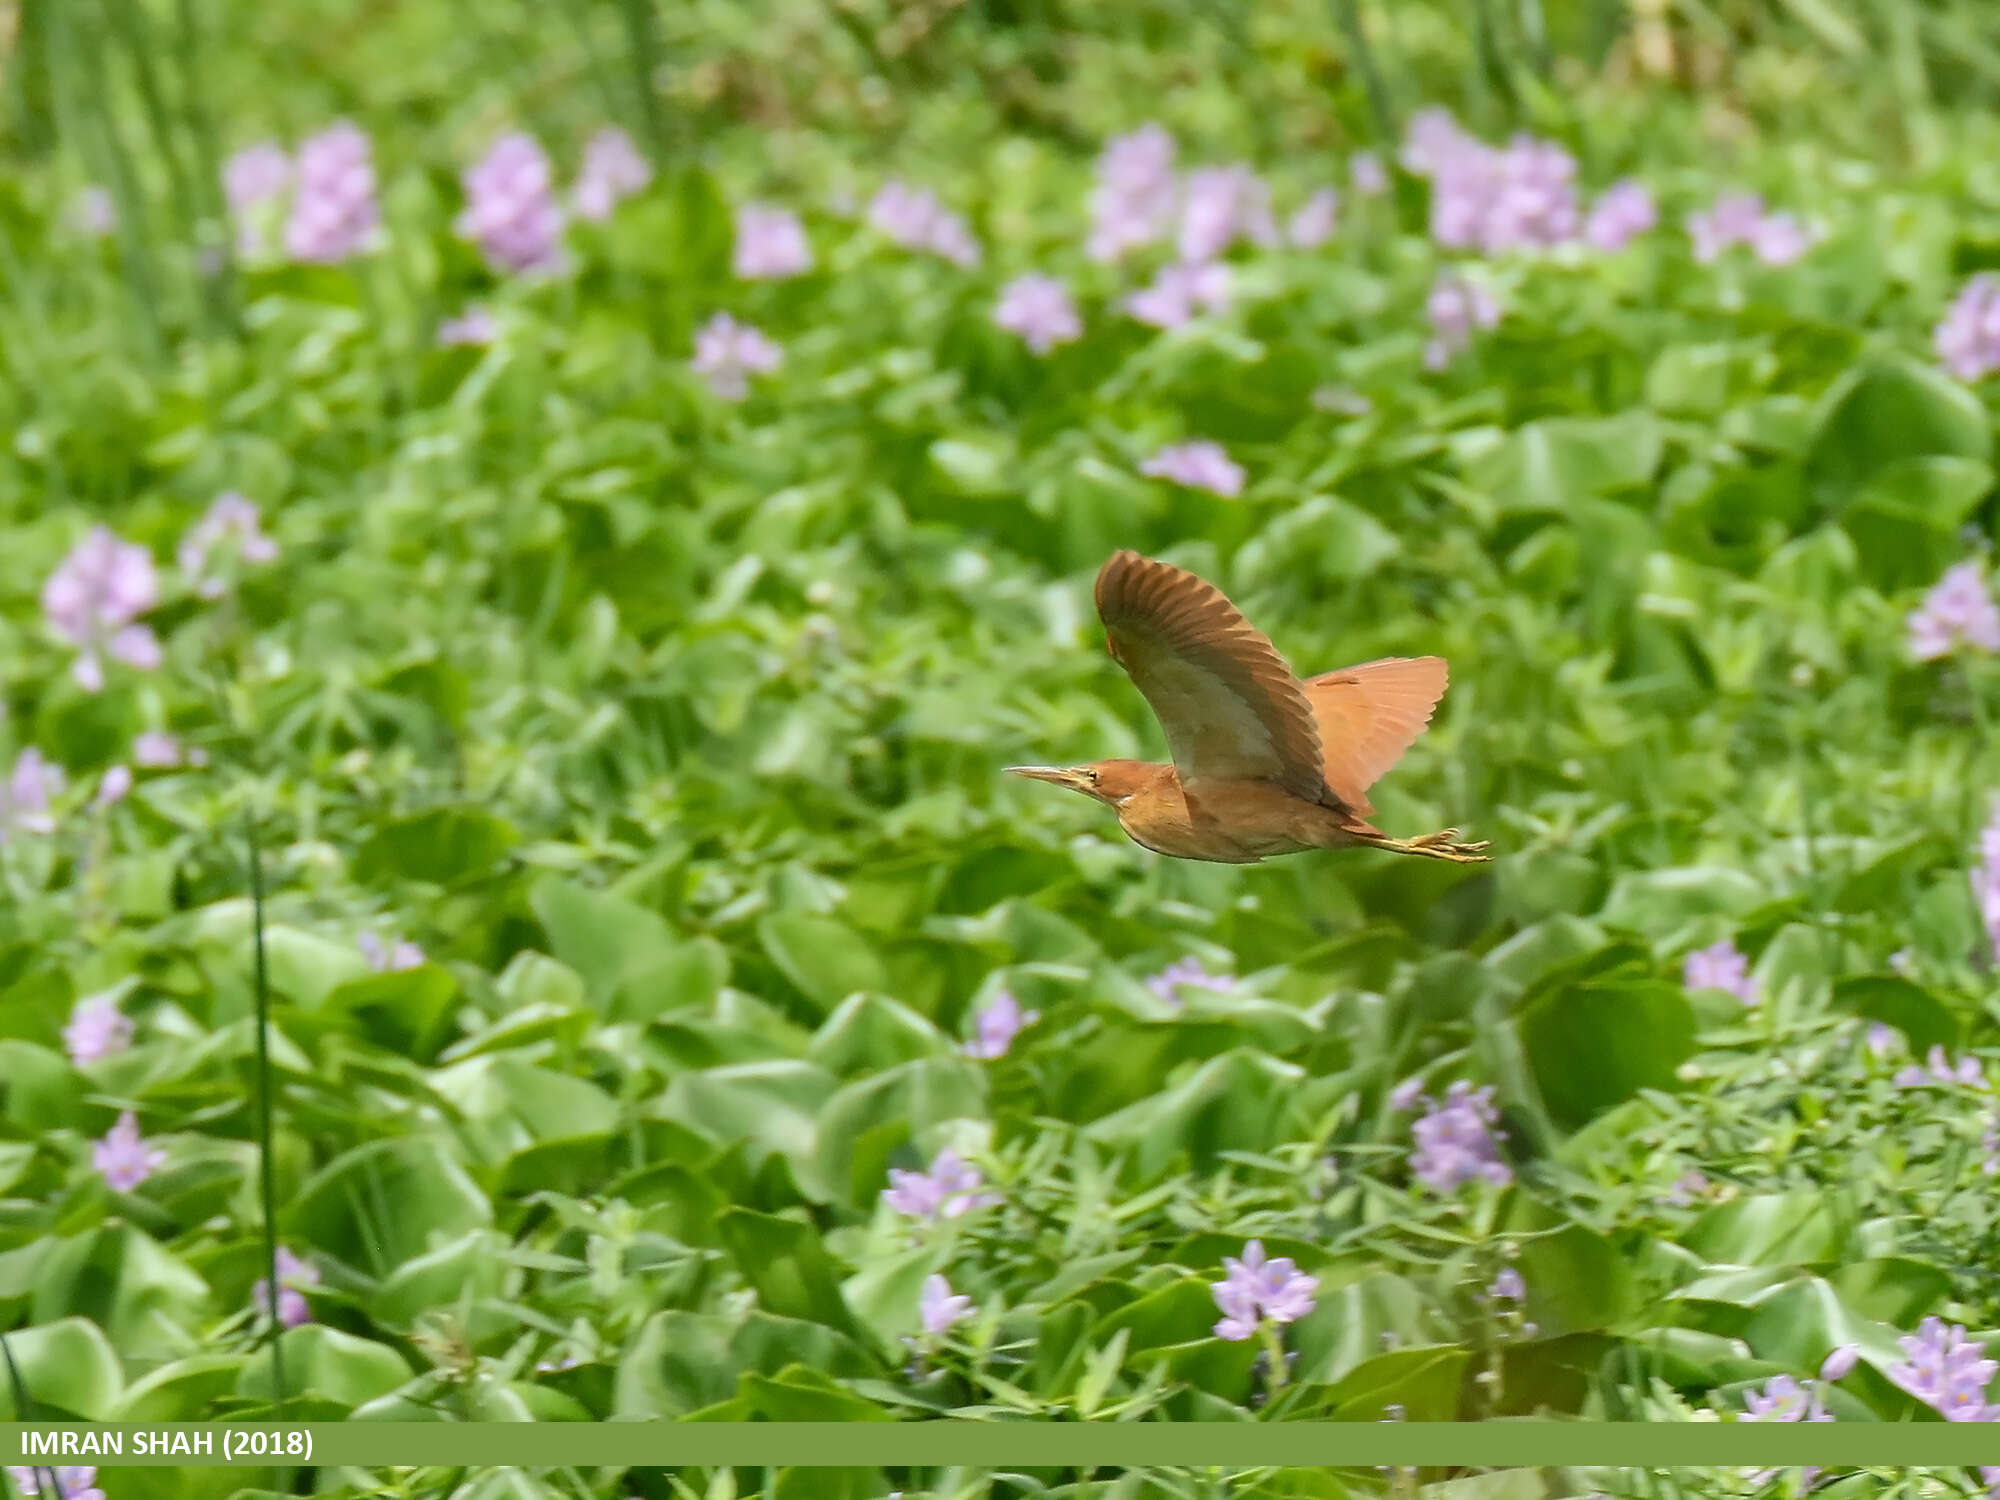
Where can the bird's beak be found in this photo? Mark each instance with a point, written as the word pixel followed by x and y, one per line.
pixel 1057 775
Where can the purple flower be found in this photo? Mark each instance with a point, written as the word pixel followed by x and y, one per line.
pixel 770 244
pixel 1946 1371
pixel 292 1306
pixel 511 211
pixel 1221 205
pixel 253 182
pixel 333 208
pixel 1407 1095
pixel 1839 1363
pixel 1038 308
pixel 1456 308
pixel 1986 879
pixel 93 213
pixel 113 787
pixel 154 749
pixel 950 1188
pixel 613 170
pixel 1508 1286
pixel 24 799
pixel 1956 612
pixel 1178 292
pixel 1622 212
pixel 1687 1187
pixel 473 326
pixel 1187 971
pixel 1133 202
pixel 1519 196
pixel 1456 1141
pixel 727 353
pixel 1720 967
pixel 1739 219
pixel 1903 961
pixel 1199 465
pixel 1939 1069
pixel 123 1157
pixel 916 220
pixel 1312 225
pixel 941 1308
pixel 999 1023
pixel 1882 1040
pixel 92 598
pixel 1968 340
pixel 96 1029
pixel 72 1482
pixel 1253 1289
pixel 232 522
pixel 1367 174
pixel 1784 1399
pixel 389 957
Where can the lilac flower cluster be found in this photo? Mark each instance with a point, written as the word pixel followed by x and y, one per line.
pixel 1958 611
pixel 1622 213
pixel 292 1306
pixel 254 182
pixel 950 1188
pixel 727 353
pixel 1178 293
pixel 1187 971
pixel 1133 201
pixel 511 211
pixel 1968 339
pixel 1219 206
pixel 124 1157
pixel 1777 239
pixel 334 214
pixel 1720 967
pixel 25 796
pixel 1254 1291
pixel 770 244
pixel 613 170
pixel 1986 880
pixel 1038 309
pixel 1938 1069
pixel 1313 222
pixel 390 957
pixel 940 1308
pixel 232 523
pixel 475 326
pixel 1457 1139
pixel 1946 1371
pixel 998 1023
pixel 96 1029
pixel 92 600
pixel 1457 307
pixel 915 219
pixel 1199 465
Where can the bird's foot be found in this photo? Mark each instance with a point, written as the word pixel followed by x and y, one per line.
pixel 1442 845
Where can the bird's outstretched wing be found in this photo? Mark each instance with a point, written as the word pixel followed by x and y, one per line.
pixel 1369 716
pixel 1230 706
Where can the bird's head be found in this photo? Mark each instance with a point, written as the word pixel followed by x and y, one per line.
pixel 1109 781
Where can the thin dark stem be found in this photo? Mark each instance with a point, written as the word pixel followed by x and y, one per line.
pixel 1348 14
pixel 266 1173
pixel 22 1409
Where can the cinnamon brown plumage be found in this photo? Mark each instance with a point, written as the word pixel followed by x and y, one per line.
pixel 1263 763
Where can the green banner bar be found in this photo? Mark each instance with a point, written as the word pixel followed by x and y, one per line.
pixel 1498 1444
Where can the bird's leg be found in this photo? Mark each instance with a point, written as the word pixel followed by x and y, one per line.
pixel 1443 845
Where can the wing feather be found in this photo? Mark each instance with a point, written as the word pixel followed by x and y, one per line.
pixel 1369 716
pixel 1231 707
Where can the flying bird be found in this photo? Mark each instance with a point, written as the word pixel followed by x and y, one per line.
pixel 1263 763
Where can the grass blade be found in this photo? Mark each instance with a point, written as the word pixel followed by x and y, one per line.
pixel 266 1174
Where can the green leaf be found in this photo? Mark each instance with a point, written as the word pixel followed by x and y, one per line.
pixel 1593 1044
pixel 68 1371
pixel 1887 410
pixel 791 1270
pixel 378 1205
pixel 825 960
pixel 324 1362
pixel 442 846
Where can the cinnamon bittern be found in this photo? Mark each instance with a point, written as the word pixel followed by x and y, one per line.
pixel 1263 763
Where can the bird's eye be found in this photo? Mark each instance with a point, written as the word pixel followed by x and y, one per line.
pixel 1091 774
